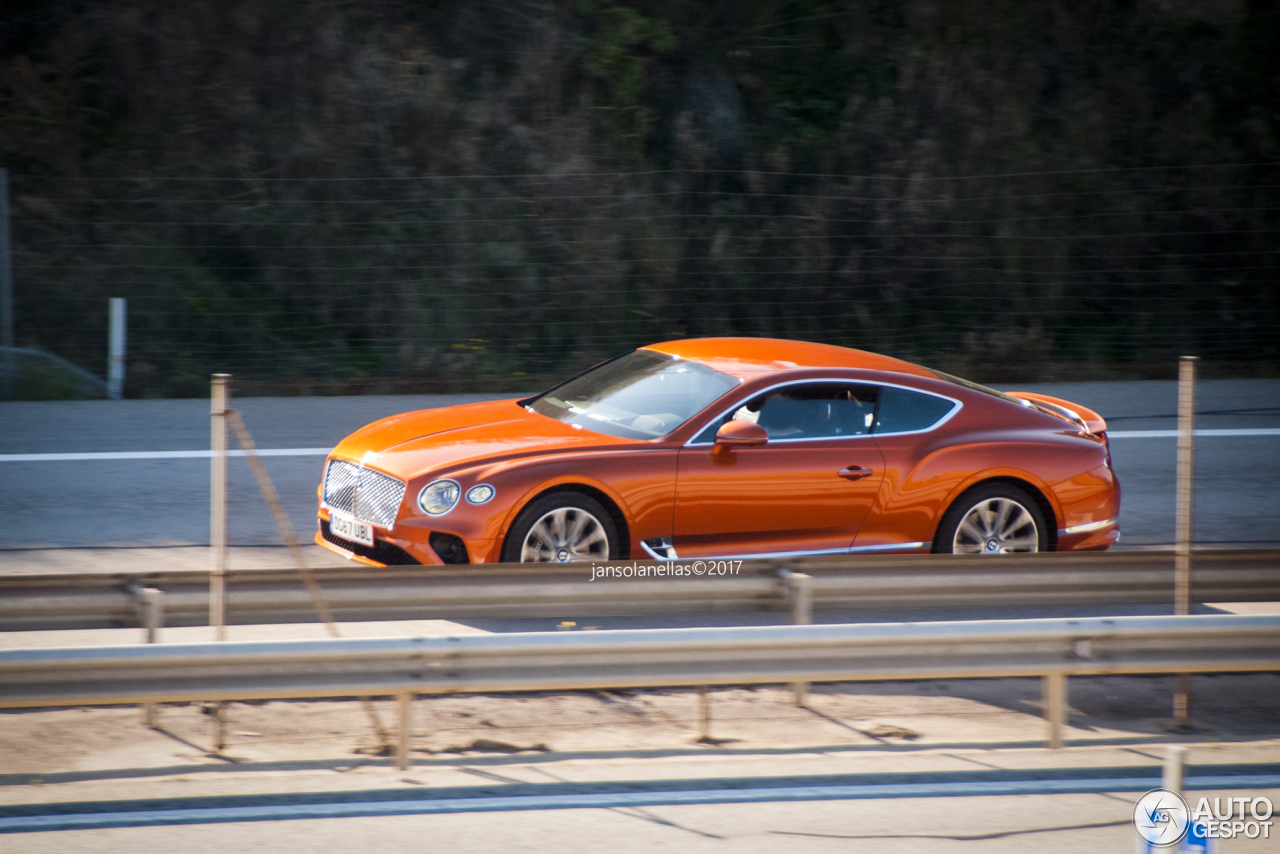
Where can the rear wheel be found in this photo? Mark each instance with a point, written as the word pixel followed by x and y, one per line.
pixel 994 519
pixel 562 528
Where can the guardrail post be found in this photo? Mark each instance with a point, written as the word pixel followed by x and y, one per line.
pixel 801 615
pixel 218 506
pixel 1184 532
pixel 406 730
pixel 704 711
pixel 405 702
pixel 218 712
pixel 1054 689
pixel 151 602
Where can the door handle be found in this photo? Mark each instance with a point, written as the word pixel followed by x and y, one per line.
pixel 854 472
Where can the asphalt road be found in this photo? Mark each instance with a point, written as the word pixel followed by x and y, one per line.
pixel 1000 824
pixel 165 502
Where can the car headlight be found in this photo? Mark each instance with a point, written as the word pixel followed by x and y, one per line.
pixel 438 497
pixel 480 494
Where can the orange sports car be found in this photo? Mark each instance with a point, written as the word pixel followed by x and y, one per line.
pixel 725 447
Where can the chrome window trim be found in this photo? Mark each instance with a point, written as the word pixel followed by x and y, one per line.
pixel 1087 527
pixel 959 404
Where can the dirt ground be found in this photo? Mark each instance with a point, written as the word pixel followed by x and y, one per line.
pixel 898 717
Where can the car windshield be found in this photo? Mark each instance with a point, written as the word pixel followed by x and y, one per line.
pixel 640 395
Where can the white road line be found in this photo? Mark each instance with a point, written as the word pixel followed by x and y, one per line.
pixel 158 455
pixel 1208 434
pixel 604 800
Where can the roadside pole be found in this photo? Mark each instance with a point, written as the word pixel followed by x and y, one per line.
pixel 285 527
pixel 1175 759
pixel 115 357
pixel 218 506
pixel 7 367
pixel 1182 548
pixel 218 536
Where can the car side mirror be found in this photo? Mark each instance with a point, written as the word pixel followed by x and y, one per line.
pixel 737 433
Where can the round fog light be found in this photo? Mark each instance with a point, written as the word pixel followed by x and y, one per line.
pixel 480 494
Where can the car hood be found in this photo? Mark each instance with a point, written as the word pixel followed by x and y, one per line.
pixel 414 443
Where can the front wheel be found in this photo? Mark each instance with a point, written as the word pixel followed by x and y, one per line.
pixel 995 519
pixel 561 528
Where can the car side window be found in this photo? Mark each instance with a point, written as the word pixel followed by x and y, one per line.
pixel 903 411
pixel 817 411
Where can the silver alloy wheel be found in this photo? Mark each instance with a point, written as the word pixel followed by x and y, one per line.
pixel 996 526
pixel 565 534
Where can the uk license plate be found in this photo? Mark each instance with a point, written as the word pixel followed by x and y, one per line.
pixel 350 529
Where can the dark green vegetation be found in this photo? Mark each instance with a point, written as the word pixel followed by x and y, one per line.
pixel 318 196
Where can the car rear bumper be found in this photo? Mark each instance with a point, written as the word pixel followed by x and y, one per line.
pixel 1090 511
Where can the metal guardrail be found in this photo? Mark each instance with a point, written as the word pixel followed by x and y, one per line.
pixel 1052 649
pixel 78 601
pixel 552 661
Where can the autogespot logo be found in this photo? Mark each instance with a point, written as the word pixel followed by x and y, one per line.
pixel 1161 817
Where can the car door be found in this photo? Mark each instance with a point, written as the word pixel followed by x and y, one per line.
pixel 807 489
pixel 906 425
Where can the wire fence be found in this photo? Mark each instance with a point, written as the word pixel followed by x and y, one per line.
pixel 443 283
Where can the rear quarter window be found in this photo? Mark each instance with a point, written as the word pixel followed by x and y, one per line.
pixel 903 411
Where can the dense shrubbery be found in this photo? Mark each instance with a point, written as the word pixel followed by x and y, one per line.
pixel 276 187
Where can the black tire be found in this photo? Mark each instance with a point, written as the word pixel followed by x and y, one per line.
pixel 597 530
pixel 986 502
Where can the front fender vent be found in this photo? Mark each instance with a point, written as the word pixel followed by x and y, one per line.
pixel 450 548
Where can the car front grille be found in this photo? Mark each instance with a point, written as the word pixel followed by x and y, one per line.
pixel 368 495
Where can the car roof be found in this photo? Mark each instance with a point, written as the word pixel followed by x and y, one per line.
pixel 742 357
